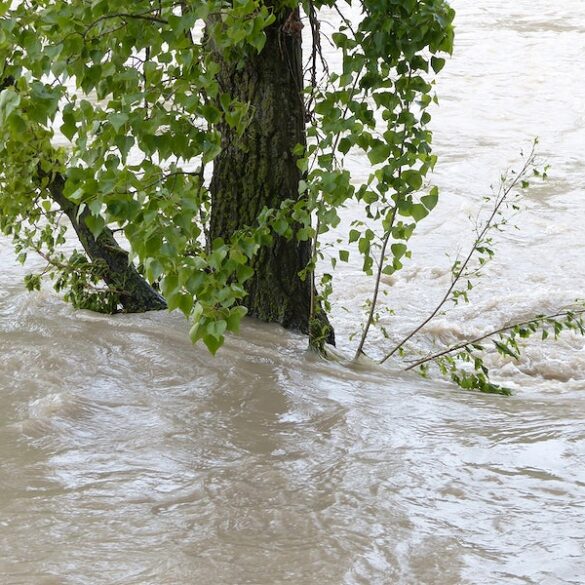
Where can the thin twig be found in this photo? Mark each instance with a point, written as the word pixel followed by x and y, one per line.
pixel 139 16
pixel 316 52
pixel 364 336
pixel 487 226
pixel 314 254
pixel 345 20
pixel 481 338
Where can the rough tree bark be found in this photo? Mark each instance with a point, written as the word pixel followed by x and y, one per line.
pixel 259 169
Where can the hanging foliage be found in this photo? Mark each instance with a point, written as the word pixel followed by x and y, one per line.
pixel 111 116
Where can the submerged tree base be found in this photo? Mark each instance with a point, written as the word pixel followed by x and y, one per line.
pixel 257 170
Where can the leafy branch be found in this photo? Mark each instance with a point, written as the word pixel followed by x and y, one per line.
pixel 507 345
pixel 570 319
pixel 405 108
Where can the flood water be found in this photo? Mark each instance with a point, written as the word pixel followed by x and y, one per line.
pixel 129 457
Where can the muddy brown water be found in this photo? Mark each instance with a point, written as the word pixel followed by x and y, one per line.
pixel 129 457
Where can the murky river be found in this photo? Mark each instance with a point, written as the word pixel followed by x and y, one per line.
pixel 128 457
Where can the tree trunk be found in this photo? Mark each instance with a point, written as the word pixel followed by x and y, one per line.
pixel 258 169
pixel 134 292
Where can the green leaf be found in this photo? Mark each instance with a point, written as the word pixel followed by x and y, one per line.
pixel 124 144
pixel 234 318
pixel 504 349
pixel 398 250
pixel 364 246
pixel 95 224
pixel 69 126
pixel 344 145
pixel 258 42
pixel 9 101
pixel 185 303
pixel 169 285
pixel 413 178
pixel 76 196
pixel 437 64
pixel 418 211
pixel 213 343
pixel 244 273
pixel 117 120
pixel 216 328
pixel 379 153
pixel 280 226
pixel 430 200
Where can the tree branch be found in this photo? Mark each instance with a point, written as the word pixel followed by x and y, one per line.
pixel 463 345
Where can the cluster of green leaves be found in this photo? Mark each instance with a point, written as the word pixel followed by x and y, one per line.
pixel 80 280
pixel 133 91
pixel 122 103
pixel 377 104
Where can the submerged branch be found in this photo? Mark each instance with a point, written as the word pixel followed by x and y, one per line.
pixel 501 330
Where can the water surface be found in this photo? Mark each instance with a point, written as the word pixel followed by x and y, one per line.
pixel 129 457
